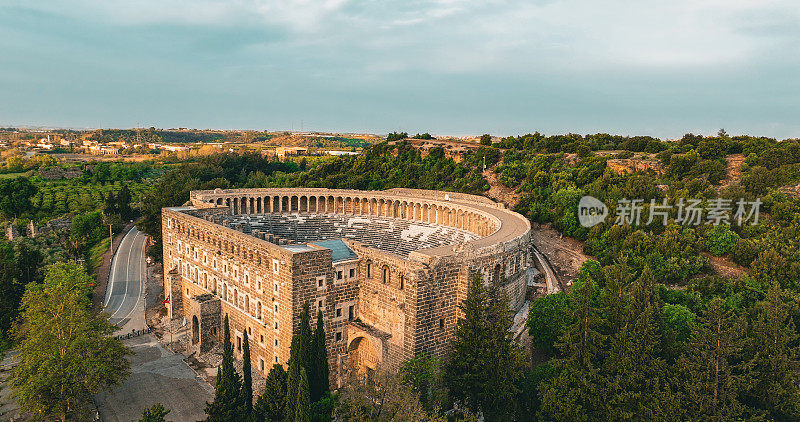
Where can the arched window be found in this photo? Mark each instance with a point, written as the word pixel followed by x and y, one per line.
pixel 247 303
pixel 387 275
pixel 235 298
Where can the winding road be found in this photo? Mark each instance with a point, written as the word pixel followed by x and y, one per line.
pixel 124 301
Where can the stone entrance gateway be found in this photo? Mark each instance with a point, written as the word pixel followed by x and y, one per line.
pixel 363 356
pixel 204 311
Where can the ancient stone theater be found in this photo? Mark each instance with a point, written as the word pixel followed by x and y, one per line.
pixel 387 269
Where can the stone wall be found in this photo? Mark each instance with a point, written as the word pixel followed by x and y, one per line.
pixel 378 308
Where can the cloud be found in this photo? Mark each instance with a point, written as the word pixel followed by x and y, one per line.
pixel 584 63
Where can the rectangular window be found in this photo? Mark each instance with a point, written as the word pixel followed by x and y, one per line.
pixel 338 336
pixel 261 364
pixel 338 312
pixel 275 266
pixel 351 313
pixel 238 343
pixel 441 322
pixel 320 282
pixel 338 275
pixel 352 272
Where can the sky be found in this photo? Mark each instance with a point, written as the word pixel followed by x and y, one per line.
pixel 447 67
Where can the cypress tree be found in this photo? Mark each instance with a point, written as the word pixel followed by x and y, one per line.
pixel 246 392
pixel 293 378
pixel 305 336
pixel 270 406
pixel 298 359
pixel 302 406
pixel 319 371
pixel 225 406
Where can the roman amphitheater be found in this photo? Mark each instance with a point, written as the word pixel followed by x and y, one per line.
pixel 387 268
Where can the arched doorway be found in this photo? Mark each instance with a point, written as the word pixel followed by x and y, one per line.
pixel 195 330
pixel 363 356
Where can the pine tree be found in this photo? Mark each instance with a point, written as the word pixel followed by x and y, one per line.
pixel 225 406
pixel 772 379
pixel 637 386
pixel 302 412
pixel 270 406
pixel 246 392
pixel 485 363
pixel 708 377
pixel 576 393
pixel 154 413
pixel 319 371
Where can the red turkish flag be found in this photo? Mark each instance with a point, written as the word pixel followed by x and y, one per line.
pixel 166 300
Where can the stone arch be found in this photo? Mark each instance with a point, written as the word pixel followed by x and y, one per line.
pixel 364 357
pixel 312 204
pixel 386 275
pixel 339 205
pixel 302 205
pixel 330 204
pixel 294 204
pixel 195 330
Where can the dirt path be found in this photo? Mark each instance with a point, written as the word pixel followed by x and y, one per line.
pixel 733 170
pixel 724 267
pixel 497 190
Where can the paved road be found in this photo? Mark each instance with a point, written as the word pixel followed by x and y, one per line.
pixel 124 300
pixel 157 376
pixel 549 275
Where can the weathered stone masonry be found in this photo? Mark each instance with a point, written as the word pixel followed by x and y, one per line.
pixel 387 268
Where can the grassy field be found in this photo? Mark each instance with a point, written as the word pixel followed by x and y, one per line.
pixel 96 253
pixel 13 175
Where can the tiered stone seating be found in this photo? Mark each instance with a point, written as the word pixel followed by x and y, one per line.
pixel 390 234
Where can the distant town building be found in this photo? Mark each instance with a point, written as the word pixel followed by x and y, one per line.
pixel 282 152
pixel 341 152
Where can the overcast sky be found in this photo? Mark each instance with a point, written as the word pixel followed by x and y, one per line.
pixel 660 68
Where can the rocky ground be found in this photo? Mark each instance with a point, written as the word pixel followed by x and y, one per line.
pixel 565 254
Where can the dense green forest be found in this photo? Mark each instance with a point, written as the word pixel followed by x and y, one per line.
pixel 648 331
